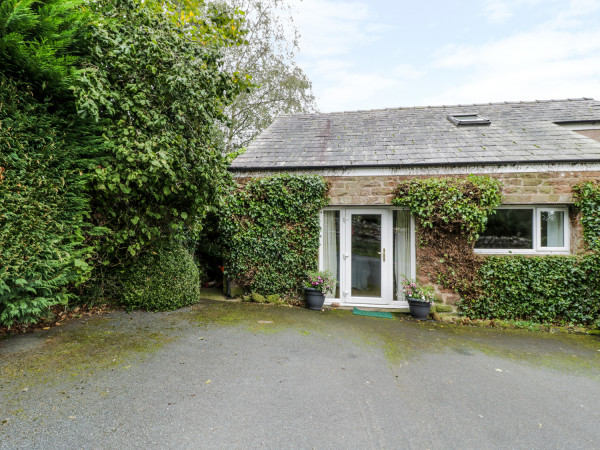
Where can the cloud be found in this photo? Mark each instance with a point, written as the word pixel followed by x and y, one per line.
pixel 556 59
pixel 497 11
pixel 535 49
pixel 357 88
pixel 333 33
pixel 333 28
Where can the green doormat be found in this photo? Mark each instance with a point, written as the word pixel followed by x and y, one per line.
pixel 360 312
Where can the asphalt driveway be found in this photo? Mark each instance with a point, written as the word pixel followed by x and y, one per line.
pixel 229 375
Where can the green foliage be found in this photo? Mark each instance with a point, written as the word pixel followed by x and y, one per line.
pixel 544 289
pixel 39 43
pixel 45 155
pixel 279 86
pixel 154 84
pixel 162 278
pixel 587 199
pixel 43 208
pixel 451 203
pixel 270 229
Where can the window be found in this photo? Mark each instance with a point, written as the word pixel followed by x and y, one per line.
pixel 468 119
pixel 330 246
pixel 525 230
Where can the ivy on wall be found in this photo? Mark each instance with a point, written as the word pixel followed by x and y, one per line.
pixel 450 212
pixel 587 199
pixel 451 204
pixel 548 289
pixel 270 230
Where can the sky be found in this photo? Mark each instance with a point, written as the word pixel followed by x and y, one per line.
pixel 371 54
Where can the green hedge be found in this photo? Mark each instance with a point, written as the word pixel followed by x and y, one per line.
pixel 545 289
pixel 270 230
pixel 163 278
pixel 43 207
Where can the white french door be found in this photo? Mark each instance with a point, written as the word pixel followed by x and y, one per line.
pixel 369 250
pixel 367 257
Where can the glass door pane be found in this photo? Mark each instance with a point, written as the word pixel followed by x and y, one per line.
pixel 366 255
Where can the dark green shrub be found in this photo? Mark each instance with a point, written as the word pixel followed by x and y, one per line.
pixel 270 229
pixel 46 155
pixel 544 289
pixel 163 278
pixel 43 208
pixel 587 199
pixel 158 88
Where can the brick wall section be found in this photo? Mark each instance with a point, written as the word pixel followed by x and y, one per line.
pixel 594 134
pixel 518 189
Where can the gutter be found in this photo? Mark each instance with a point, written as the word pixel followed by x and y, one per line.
pixel 410 166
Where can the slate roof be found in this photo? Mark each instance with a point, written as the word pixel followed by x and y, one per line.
pixel 522 132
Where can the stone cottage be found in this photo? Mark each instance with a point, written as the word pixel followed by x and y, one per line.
pixel 538 150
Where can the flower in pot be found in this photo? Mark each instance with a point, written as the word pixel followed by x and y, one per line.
pixel 318 283
pixel 419 297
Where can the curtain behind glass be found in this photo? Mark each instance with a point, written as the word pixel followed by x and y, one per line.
pixel 552 228
pixel 402 259
pixel 331 246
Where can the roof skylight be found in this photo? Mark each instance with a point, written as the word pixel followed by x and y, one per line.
pixel 468 119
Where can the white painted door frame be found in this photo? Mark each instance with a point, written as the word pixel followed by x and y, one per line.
pixel 385 258
pixel 387 243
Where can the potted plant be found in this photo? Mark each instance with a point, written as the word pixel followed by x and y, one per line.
pixel 419 297
pixel 317 285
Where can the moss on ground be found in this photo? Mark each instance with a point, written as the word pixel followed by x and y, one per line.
pixel 121 340
pixel 81 352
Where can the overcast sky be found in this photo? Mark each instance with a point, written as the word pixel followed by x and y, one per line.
pixel 369 54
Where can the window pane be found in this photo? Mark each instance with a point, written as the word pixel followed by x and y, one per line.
pixel 331 247
pixel 402 259
pixel 508 229
pixel 553 233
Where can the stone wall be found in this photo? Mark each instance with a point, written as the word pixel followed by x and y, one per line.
pixel 519 188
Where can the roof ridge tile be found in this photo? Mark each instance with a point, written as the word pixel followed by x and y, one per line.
pixel 460 105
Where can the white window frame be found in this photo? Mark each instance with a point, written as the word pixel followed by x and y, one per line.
pixel 566 233
pixel 537 233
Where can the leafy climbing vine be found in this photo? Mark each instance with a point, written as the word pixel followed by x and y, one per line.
pixel 451 212
pixel 587 199
pixel 270 230
pixel 452 204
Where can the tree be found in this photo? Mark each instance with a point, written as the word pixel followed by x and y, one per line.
pixel 154 82
pixel 279 85
pixel 44 164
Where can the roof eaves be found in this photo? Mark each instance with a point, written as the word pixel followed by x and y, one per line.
pixel 424 164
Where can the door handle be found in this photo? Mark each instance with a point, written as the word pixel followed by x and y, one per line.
pixel 382 253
